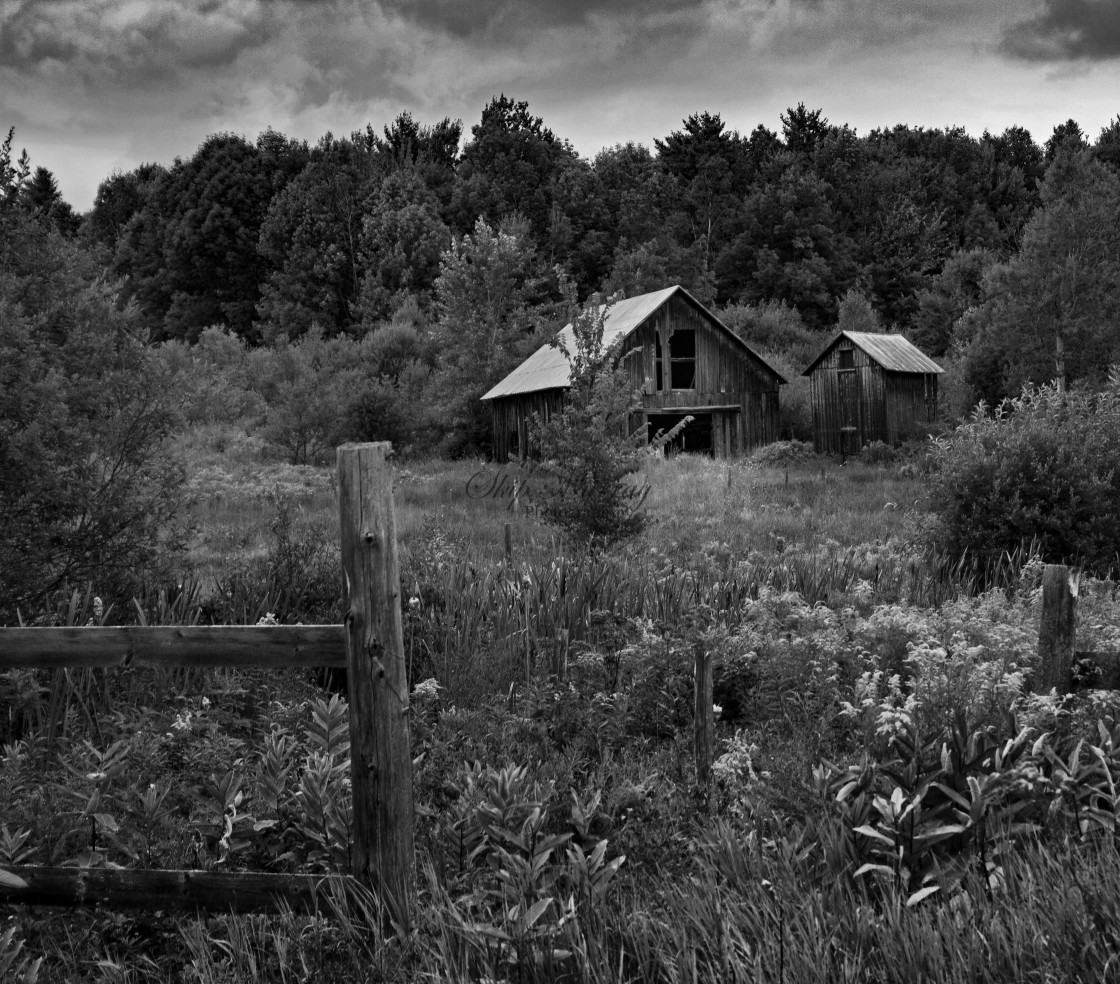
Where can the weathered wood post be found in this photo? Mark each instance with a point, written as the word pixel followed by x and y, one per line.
pixel 1057 629
pixel 704 728
pixel 509 544
pixel 562 649
pixel 380 749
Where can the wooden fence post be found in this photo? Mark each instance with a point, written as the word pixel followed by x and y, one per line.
pixel 704 728
pixel 380 750
pixel 1057 629
pixel 562 649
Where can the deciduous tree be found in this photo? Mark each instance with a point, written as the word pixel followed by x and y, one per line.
pixel 87 490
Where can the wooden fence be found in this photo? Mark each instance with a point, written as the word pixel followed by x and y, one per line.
pixel 369 644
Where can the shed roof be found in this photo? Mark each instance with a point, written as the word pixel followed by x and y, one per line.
pixel 548 366
pixel 893 352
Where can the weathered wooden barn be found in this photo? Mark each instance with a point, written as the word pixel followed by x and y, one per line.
pixel 867 387
pixel 686 362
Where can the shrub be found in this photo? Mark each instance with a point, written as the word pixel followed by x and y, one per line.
pixel 774 328
pixel 586 448
pixel 306 386
pixel 878 453
pixel 1043 468
pixel 783 453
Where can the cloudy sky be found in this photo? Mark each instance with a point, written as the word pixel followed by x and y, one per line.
pixel 96 85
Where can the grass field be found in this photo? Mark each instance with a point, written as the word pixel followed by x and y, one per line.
pixel 694 505
pixel 888 800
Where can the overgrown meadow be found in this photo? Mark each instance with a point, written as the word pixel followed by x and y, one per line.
pixel 889 800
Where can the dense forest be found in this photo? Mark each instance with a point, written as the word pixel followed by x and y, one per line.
pixel 424 262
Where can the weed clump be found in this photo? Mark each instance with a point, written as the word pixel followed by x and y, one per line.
pixel 783 453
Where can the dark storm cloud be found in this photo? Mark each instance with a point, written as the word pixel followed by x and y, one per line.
pixel 478 19
pixel 1066 30
pixel 108 41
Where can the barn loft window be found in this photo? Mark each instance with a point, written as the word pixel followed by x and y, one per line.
pixel 657 364
pixel 682 359
pixel 847 358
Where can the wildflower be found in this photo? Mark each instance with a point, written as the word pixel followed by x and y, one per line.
pixel 427 689
pixel 716 711
pixel 414 602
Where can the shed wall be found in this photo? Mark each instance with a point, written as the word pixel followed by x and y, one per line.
pixel 855 406
pixel 511 416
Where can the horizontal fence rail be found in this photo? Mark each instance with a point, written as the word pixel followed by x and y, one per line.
pixel 240 891
pixel 168 646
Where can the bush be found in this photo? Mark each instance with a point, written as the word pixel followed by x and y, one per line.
pixel 1044 468
pixel 774 328
pixel 783 453
pixel 878 453
pixel 306 387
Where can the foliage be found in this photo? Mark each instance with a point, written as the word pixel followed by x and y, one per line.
pixel 920 847
pixel 295 580
pixel 403 238
pixel 84 414
pixel 1047 314
pixel 509 167
pixel 268 237
pixel 774 329
pixel 587 448
pixel 783 453
pixel 515 889
pixel 310 238
pixel 1041 469
pixel 855 313
pixel 306 387
pixel 13 177
pixel 190 251
pixel 488 286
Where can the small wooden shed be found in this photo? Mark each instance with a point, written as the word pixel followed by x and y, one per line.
pixel 868 387
pixel 687 362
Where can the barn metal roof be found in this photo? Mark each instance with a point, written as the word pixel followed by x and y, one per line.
pixel 893 352
pixel 548 366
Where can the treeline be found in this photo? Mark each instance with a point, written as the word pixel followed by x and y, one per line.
pixel 994 253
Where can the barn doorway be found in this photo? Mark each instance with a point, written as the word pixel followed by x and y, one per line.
pixel 695 437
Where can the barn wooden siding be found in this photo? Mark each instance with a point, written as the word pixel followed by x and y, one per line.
pixel 512 416
pixel 853 407
pixel 739 391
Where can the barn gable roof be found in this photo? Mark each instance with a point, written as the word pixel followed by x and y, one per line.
pixel 893 352
pixel 548 366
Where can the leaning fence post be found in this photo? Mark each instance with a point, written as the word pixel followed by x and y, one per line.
pixel 1057 629
pixel 704 724
pixel 380 750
